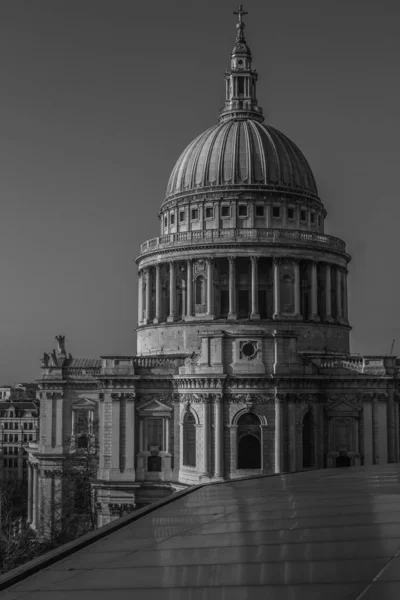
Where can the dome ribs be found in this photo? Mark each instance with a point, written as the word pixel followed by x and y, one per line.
pixel 229 153
pixel 241 153
pixel 259 167
pixel 192 160
pixel 273 166
pixel 206 171
pixel 202 159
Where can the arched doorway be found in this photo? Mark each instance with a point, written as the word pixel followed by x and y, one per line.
pixel 308 441
pixel 249 442
pixel 343 461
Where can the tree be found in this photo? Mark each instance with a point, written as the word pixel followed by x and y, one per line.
pixel 74 506
pixel 16 542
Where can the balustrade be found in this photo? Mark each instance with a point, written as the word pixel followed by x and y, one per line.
pixel 217 236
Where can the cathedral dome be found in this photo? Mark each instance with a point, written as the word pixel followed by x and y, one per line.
pixel 242 152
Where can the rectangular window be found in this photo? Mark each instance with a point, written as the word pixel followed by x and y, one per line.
pixel 225 211
pixel 165 221
pixel 242 210
pixel 30 425
pixel 276 212
pixel 303 215
pixel 25 425
pixel 319 220
pixel 154 433
pixel 290 213
pixel 313 218
pixel 172 218
pixel 195 213
pixel 240 86
pixel 259 210
pixel 182 216
pixel 209 212
pixel 5 425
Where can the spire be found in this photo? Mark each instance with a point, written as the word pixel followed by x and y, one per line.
pixel 240 101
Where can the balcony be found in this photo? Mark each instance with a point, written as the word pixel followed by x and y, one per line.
pixel 243 236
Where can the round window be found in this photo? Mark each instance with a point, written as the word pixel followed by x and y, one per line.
pixel 248 349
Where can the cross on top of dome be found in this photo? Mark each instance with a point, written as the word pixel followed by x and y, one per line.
pixel 240 25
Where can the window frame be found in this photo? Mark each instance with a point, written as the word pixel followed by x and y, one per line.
pixel 293 217
pixel 207 208
pixel 226 206
pixel 278 208
pixel 241 206
pixel 192 210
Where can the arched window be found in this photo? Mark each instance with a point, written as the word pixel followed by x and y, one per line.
pixel 189 440
pixel 249 442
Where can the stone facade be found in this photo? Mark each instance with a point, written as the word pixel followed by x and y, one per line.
pixel 243 362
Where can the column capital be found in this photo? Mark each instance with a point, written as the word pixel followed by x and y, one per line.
pixel 231 259
pixel 157 266
pixel 254 259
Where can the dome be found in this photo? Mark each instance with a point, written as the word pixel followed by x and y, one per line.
pixel 242 153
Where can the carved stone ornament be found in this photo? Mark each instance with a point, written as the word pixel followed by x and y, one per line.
pixel 194 398
pixel 120 508
pixel 54 395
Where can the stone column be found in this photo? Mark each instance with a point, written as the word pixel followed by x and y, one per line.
pixel 158 294
pixel 140 297
pixel 183 298
pixel 292 435
pixel 232 288
pixel 345 299
pixel 314 292
pixel 172 292
pixel 30 493
pixel 219 439
pixel 189 265
pixel 375 431
pixel 167 435
pixel 277 291
pixel 391 428
pixel 115 443
pixel 297 288
pixel 35 496
pixel 141 437
pixel 328 291
pixel 254 288
pixel 148 296
pixel 130 437
pixel 278 433
pixel 206 438
pixel 210 288
pixel 59 420
pixel 338 294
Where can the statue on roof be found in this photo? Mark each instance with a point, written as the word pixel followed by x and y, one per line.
pixel 53 359
pixel 45 359
pixel 61 344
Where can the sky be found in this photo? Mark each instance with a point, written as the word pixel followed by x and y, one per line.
pixel 99 97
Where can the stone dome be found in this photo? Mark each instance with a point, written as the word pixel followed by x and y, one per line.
pixel 245 153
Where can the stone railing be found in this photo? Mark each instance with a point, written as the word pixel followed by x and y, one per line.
pixel 361 364
pixel 224 236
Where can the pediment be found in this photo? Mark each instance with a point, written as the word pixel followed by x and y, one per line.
pixel 343 407
pixel 154 407
pixel 84 402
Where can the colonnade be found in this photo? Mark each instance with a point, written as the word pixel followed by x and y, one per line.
pixel 149 310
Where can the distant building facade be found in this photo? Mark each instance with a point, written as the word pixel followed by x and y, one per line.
pixel 19 423
pixel 243 361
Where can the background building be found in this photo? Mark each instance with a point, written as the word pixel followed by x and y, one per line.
pixel 243 361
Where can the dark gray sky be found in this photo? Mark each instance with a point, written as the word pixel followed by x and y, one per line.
pixel 99 97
